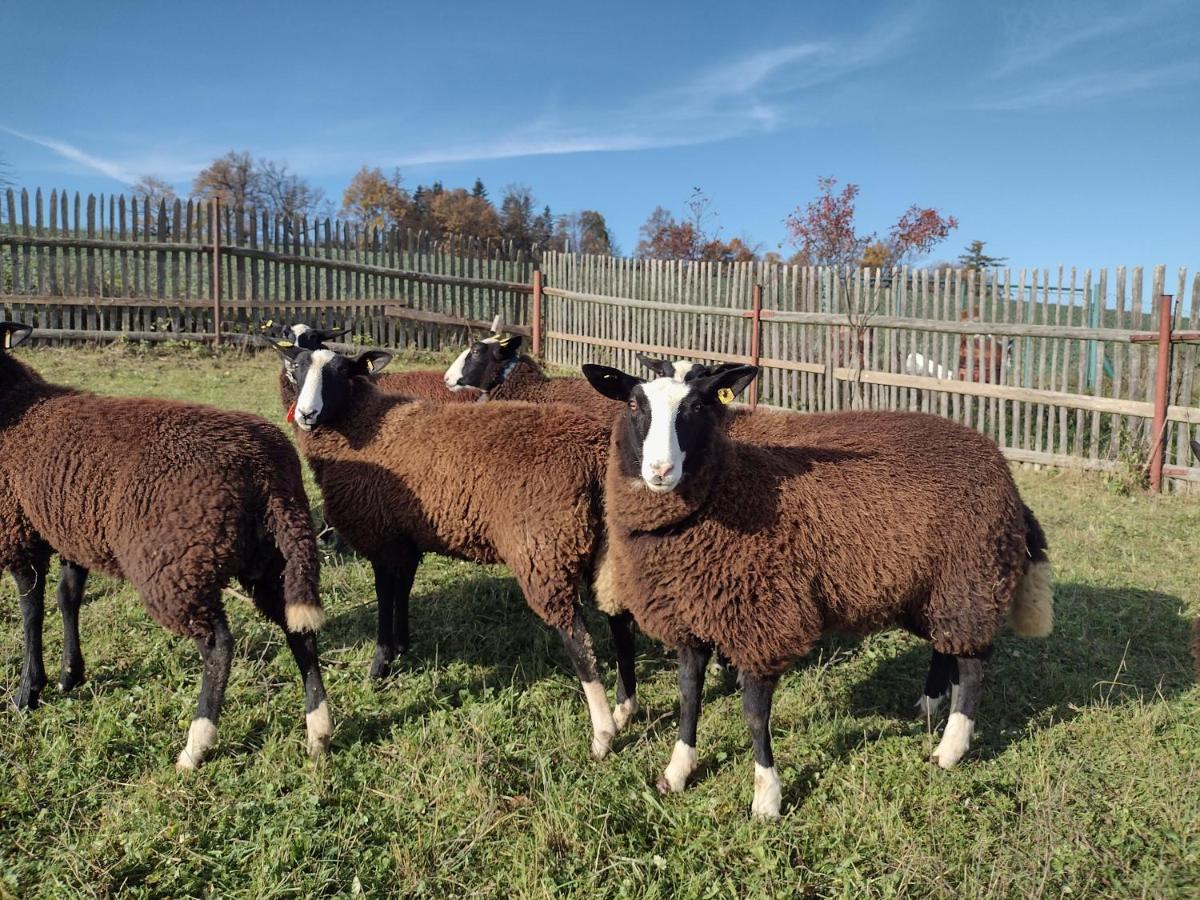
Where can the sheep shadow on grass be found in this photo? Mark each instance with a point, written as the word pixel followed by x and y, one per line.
pixel 1110 646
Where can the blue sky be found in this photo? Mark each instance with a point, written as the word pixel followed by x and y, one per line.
pixel 1060 132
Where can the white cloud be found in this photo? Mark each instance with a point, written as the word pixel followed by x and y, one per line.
pixel 70 152
pixel 1075 89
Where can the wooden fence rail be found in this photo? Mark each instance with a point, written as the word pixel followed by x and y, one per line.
pixel 1060 366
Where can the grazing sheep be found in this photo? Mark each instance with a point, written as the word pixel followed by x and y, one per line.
pixel 880 519
pixel 423 384
pixel 176 498
pixel 495 366
pixel 502 482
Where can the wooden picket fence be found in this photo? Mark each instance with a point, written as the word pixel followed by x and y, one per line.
pixel 1059 366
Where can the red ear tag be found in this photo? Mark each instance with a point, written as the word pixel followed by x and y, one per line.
pixel 291 413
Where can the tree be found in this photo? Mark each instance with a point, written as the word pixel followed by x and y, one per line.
pixel 825 231
pixel 662 237
pixel 286 193
pixel 516 216
pixel 585 231
pixel 457 212
pixel 479 190
pixel 153 189
pixel 231 178
pixel 975 259
pixel 373 200
pixel 542 232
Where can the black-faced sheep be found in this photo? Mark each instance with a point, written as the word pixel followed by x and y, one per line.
pixel 496 367
pixel 881 519
pixel 502 482
pixel 176 498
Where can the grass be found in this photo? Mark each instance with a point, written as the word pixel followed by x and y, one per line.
pixel 468 773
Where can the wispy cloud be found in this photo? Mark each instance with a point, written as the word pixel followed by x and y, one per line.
pixel 758 92
pixel 70 152
pixel 125 170
pixel 1072 90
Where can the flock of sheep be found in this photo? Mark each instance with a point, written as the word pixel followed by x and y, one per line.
pixel 710 526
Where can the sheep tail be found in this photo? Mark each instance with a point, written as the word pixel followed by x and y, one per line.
pixel 291 527
pixel 1032 610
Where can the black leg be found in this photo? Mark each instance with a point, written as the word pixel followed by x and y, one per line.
pixel 71 579
pixel 692 663
pixel 385 641
pixel 937 683
pixel 578 642
pixel 31 588
pixel 405 571
pixel 316 718
pixel 756 706
pixel 217 654
pixel 967 688
pixel 622 634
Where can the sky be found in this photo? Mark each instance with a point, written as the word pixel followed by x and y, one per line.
pixel 1059 132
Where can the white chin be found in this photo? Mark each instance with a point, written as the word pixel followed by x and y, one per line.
pixel 660 488
pixel 303 426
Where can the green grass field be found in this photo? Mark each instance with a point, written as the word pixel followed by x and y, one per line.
pixel 468 773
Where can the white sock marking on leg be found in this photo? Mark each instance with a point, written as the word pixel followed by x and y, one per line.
pixel 956 740
pixel 682 764
pixel 320 729
pixel 202 736
pixel 603 726
pixel 767 792
pixel 625 712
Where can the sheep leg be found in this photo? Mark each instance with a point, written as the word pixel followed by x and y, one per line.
pixel 692 664
pixel 579 647
pixel 756 707
pixel 967 678
pixel 31 588
pixel 937 684
pixel 71 579
pixel 393 584
pixel 622 634
pixel 217 654
pixel 316 711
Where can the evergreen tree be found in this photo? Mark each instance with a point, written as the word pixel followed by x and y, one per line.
pixel 979 261
pixel 479 190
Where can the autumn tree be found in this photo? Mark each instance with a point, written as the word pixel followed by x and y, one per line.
pixel 232 178
pixel 374 200
pixel 457 212
pixel 585 231
pixel 662 237
pixel 517 217
pixel 285 193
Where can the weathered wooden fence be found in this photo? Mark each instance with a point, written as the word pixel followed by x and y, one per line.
pixel 1047 362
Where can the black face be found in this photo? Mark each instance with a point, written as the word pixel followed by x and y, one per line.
pixel 485 361
pixel 697 409
pixel 324 380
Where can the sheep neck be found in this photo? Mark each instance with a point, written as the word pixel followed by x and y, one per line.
pixel 525 380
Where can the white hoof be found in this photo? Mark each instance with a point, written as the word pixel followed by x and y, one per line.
pixel 682 764
pixel 767 793
pixel 601 744
pixel 956 741
pixel 202 737
pixel 320 730
pixel 604 729
pixel 625 712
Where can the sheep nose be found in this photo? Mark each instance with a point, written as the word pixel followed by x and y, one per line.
pixel 662 469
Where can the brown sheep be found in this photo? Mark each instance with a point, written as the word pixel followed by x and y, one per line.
pixel 881 519
pixel 402 477
pixel 176 498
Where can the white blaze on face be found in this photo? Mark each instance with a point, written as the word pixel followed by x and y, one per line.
pixel 662 460
pixel 298 330
pixel 308 404
pixel 455 372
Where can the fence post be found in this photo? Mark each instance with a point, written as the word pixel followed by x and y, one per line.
pixel 215 226
pixel 537 314
pixel 1158 444
pixel 755 338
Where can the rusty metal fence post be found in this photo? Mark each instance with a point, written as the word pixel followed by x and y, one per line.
pixel 537 314
pixel 215 226
pixel 755 339
pixel 1162 382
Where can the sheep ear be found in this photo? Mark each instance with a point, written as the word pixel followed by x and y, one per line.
pixel 328 334
pixel 612 383
pixel 285 348
pixel 660 367
pixel 722 386
pixel 13 334
pixel 508 345
pixel 370 362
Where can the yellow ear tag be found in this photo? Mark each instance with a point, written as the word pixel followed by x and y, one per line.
pixel 370 366
pixel 8 340
pixel 725 395
pixel 284 344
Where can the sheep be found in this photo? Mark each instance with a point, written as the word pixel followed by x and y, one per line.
pixel 502 482
pixel 424 384
pixel 178 499
pixel 880 519
pixel 496 366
